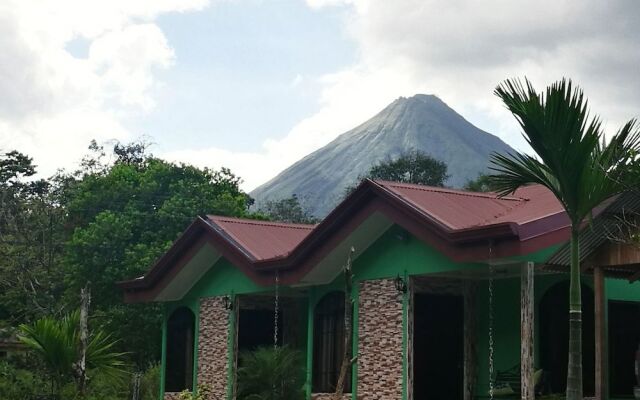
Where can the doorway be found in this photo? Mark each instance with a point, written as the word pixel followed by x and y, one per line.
pixel 624 341
pixel 256 329
pixel 554 337
pixel 438 341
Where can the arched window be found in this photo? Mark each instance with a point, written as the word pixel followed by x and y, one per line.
pixel 328 343
pixel 179 351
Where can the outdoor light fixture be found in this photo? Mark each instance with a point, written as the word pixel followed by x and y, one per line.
pixel 401 285
pixel 228 304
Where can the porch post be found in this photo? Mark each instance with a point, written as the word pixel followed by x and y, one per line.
pixel 602 392
pixel 526 332
pixel 470 343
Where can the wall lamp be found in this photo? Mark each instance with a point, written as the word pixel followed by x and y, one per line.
pixel 228 304
pixel 400 284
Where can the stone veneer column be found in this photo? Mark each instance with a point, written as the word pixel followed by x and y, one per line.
pixel 213 346
pixel 380 360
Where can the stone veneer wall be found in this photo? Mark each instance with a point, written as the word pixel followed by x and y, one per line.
pixel 212 346
pixel 329 396
pixel 380 359
pixel 171 396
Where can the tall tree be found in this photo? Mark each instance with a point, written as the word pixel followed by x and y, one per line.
pixel 122 218
pixel 31 237
pixel 575 164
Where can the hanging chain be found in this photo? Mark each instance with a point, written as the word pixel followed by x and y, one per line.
pixel 491 349
pixel 276 312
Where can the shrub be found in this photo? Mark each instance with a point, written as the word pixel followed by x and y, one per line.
pixel 271 374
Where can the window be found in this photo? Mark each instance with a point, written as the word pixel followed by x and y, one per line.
pixel 179 351
pixel 328 343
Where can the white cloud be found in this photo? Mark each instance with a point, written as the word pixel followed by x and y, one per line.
pixel 52 103
pixel 460 50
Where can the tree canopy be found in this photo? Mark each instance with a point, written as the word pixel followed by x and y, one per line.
pixel 106 222
pixel 287 210
pixel 411 167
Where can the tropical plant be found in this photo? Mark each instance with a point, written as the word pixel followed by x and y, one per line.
pixel 271 373
pixel 57 343
pixel 201 393
pixel 575 164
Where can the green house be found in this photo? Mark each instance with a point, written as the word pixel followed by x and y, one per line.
pixel 455 294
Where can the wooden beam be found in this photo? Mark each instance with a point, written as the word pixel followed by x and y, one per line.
pixel 470 339
pixel 602 392
pixel 526 332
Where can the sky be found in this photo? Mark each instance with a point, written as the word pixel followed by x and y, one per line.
pixel 255 85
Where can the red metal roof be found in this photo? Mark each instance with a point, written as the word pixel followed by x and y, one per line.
pixel 262 239
pixel 458 223
pixel 457 209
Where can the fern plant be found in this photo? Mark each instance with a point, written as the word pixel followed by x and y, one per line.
pixel 269 373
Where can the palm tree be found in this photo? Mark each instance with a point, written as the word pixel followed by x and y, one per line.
pixel 574 163
pixel 271 373
pixel 57 343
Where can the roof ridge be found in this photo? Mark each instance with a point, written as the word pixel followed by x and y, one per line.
pixel 505 212
pixel 425 188
pixel 248 221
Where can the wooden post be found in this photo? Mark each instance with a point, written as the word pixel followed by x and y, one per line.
pixel 602 392
pixel 526 333
pixel 470 339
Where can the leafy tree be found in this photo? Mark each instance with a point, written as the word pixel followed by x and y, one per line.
pixel 411 167
pixel 288 210
pixel 481 184
pixel 31 237
pixel 575 164
pixel 57 343
pixel 122 217
pixel 271 373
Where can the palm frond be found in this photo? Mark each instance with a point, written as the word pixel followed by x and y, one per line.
pixel 573 160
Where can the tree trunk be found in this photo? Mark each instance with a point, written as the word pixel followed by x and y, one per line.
pixel 85 300
pixel 347 361
pixel 574 370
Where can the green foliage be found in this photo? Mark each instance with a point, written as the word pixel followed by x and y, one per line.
pixel 57 343
pixel 201 393
pixel 288 210
pixel 410 167
pixel 481 184
pixel 108 221
pixel 150 383
pixel 19 383
pixel 269 373
pixel 574 162
pixel 122 218
pixel 31 236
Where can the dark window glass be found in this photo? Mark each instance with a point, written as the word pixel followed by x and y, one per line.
pixel 328 343
pixel 179 366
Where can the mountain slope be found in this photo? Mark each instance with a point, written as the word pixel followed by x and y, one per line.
pixel 422 122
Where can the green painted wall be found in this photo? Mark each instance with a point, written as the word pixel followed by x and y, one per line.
pixel 390 255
